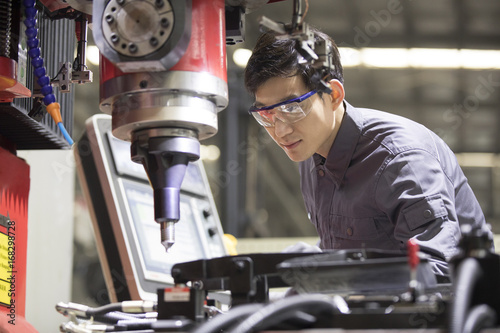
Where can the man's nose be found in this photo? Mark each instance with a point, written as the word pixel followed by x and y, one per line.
pixel 281 129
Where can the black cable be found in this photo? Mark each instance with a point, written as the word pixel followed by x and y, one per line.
pixel 113 317
pixel 468 273
pixel 480 316
pixel 273 313
pixel 137 309
pixel 297 14
pixel 136 331
pixel 135 324
pixel 224 321
pixel 91 312
pixel 59 72
pixel 144 315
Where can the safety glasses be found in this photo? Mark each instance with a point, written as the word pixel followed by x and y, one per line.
pixel 289 111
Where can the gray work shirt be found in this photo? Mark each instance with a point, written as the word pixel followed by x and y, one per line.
pixel 388 179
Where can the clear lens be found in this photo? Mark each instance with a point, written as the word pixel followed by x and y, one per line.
pixel 288 114
pixel 265 118
pixel 292 111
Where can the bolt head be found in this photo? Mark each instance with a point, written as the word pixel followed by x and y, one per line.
pixel 159 3
pixel 109 18
pixel 153 41
pixel 165 23
pixel 132 48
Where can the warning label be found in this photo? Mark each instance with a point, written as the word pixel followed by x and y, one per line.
pixel 176 294
pixel 5 270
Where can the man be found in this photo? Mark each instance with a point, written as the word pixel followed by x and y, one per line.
pixel 369 179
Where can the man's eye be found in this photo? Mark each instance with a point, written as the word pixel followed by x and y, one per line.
pixel 265 114
pixel 290 108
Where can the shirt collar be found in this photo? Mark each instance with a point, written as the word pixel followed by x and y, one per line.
pixel 343 147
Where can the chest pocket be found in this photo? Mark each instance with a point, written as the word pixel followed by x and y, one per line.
pixel 356 229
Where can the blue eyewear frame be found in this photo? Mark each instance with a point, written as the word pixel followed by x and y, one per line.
pixel 293 100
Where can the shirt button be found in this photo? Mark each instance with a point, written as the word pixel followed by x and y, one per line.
pixel 321 173
pixel 349 231
pixel 427 214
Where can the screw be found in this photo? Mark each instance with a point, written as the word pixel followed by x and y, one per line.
pixel 114 38
pixel 159 3
pixel 198 285
pixel 165 22
pixel 132 48
pixel 153 41
pixel 110 19
pixel 143 84
pixel 240 265
pixel 175 272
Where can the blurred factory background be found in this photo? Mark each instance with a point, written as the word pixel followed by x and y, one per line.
pixel 436 62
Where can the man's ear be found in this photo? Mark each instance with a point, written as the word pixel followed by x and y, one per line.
pixel 337 94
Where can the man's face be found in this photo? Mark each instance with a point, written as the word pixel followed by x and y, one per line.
pixel 312 134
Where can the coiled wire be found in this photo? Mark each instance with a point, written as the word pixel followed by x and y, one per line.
pixel 5 27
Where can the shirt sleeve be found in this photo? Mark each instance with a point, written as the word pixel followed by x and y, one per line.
pixel 418 198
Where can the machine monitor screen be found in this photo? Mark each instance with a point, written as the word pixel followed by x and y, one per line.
pixel 188 246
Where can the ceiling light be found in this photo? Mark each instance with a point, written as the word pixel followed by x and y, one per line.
pixel 241 56
pixel 349 57
pixel 209 153
pixel 434 58
pixel 481 59
pixel 373 57
pixel 93 55
pixel 420 58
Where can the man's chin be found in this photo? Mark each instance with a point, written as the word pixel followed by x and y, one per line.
pixel 296 157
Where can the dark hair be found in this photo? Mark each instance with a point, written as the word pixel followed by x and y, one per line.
pixel 274 57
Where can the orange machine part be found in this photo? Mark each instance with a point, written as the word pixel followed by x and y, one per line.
pixel 10 88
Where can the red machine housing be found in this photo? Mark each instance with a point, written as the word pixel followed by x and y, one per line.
pixel 207 48
pixel 14 191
